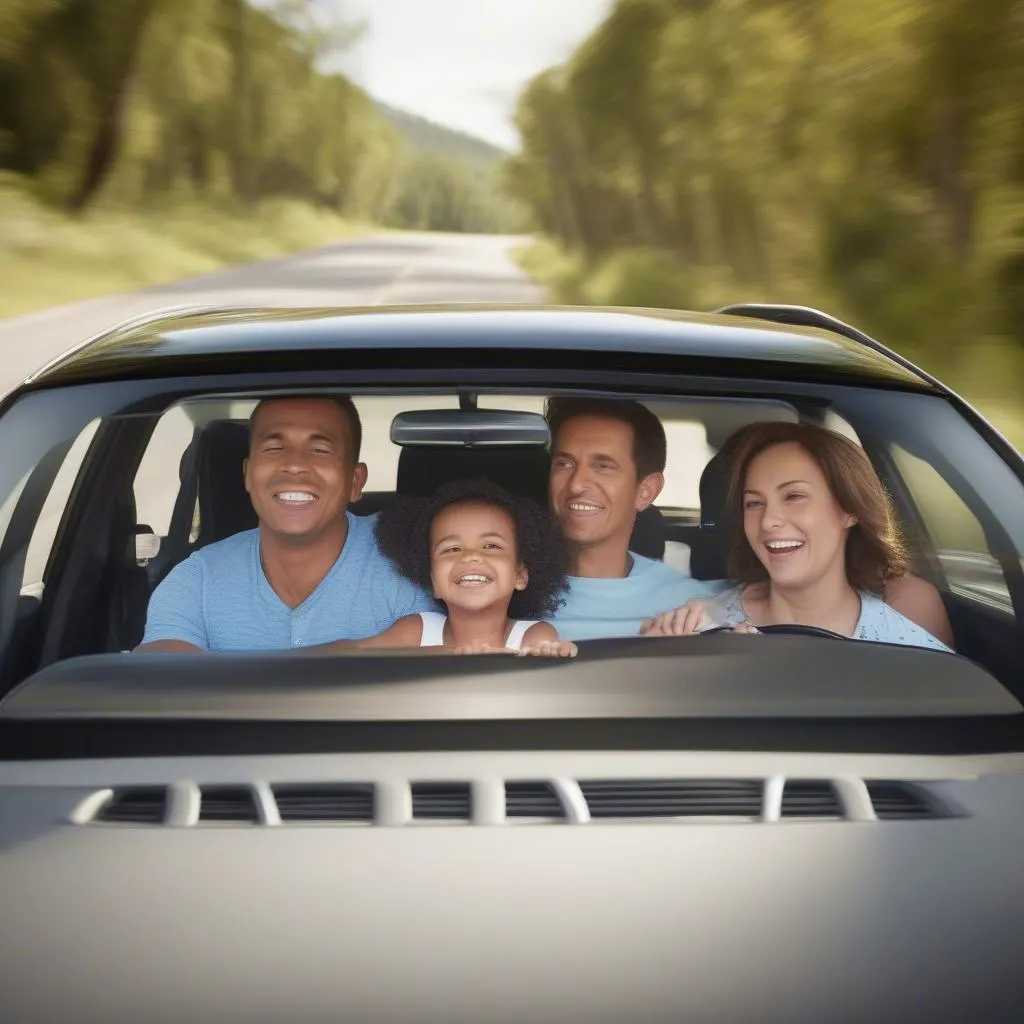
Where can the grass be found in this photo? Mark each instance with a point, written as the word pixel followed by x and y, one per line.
pixel 48 257
pixel 990 376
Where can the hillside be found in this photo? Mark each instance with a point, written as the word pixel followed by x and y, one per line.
pixel 427 136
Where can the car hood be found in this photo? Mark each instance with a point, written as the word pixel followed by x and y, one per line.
pixel 661 895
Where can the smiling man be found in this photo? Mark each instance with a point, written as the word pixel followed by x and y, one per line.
pixel 311 572
pixel 607 466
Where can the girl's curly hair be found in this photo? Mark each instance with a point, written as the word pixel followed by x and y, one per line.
pixel 403 535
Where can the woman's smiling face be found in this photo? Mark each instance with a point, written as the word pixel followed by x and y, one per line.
pixel 474 562
pixel 791 518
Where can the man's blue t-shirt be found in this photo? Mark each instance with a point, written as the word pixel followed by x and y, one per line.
pixel 600 607
pixel 220 600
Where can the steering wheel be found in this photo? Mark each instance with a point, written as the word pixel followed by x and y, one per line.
pixel 794 629
pixel 788 629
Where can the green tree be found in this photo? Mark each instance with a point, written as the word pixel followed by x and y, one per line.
pixel 869 155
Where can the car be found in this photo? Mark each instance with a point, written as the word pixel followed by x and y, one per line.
pixel 787 827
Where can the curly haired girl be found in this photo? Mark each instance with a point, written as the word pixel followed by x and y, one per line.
pixel 494 559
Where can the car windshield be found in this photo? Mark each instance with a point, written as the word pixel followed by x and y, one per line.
pixel 105 492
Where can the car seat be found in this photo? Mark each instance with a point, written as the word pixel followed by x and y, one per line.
pixel 709 556
pixel 709 545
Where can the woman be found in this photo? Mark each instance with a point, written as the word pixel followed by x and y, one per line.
pixel 818 544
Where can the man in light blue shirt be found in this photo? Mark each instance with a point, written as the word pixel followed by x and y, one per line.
pixel 311 573
pixel 607 466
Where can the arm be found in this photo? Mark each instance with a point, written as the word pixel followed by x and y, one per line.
pixel 684 621
pixel 542 639
pixel 174 620
pixel 168 647
pixel 920 601
pixel 406 632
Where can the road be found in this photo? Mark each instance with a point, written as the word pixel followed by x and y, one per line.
pixel 388 269
pixel 384 269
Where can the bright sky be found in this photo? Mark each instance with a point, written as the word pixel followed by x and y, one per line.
pixel 463 63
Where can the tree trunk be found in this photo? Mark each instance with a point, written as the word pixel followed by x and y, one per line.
pixel 111 105
pixel 955 194
pixel 197 155
pixel 241 129
pixel 102 152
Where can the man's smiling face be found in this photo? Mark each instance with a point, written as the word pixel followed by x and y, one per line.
pixel 594 490
pixel 301 472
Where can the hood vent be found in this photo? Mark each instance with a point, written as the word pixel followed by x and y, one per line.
pixel 326 802
pixel 673 798
pixel 810 798
pixel 532 800
pixel 228 803
pixel 399 802
pixel 441 801
pixel 898 801
pixel 141 805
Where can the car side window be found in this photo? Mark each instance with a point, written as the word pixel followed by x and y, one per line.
pixel 156 483
pixel 687 453
pixel 955 532
pixel 47 524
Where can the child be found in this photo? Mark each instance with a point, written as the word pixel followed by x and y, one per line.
pixel 495 560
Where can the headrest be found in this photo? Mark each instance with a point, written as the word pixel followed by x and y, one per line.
pixel 522 471
pixel 649 534
pixel 709 555
pixel 709 559
pixel 714 491
pixel 224 505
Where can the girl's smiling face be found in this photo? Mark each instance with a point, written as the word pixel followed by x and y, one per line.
pixel 474 562
pixel 791 518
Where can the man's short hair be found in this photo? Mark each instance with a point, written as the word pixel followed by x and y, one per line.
pixel 344 402
pixel 648 433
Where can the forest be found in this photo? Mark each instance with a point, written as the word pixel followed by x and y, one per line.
pixel 865 157
pixel 137 102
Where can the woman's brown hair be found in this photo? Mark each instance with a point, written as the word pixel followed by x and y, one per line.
pixel 874 550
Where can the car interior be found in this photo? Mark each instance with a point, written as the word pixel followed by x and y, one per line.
pixel 135 495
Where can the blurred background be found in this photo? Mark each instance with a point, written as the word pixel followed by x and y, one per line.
pixel 862 156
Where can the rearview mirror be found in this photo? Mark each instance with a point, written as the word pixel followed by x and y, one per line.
pixel 470 428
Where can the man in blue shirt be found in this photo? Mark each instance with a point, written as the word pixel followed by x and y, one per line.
pixel 607 466
pixel 311 573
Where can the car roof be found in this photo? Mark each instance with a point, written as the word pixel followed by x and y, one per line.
pixel 210 339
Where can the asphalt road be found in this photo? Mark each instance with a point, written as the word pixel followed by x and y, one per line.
pixel 385 269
